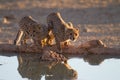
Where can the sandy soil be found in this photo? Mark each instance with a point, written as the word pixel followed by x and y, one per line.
pixel 96 19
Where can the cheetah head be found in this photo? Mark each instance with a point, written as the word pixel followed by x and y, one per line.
pixel 73 34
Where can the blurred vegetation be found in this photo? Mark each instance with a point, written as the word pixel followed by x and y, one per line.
pixel 56 3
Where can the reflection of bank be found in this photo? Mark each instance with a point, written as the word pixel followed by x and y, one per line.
pixel 94 59
pixel 31 67
pixel 97 59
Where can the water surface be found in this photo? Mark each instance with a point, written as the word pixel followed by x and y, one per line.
pixel 91 67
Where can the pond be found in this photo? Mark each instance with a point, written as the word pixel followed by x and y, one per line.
pixel 29 67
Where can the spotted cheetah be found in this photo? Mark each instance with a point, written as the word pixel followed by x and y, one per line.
pixel 30 29
pixel 63 32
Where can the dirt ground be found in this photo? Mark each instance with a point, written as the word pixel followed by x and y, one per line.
pixel 96 19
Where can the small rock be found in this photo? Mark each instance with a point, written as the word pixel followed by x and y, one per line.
pixel 92 44
pixel 8 18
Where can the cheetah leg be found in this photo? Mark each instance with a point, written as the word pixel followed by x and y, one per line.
pixel 58 43
pixel 49 40
pixel 66 43
pixel 24 39
pixel 44 42
pixel 18 37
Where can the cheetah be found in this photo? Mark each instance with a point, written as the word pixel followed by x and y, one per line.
pixel 63 32
pixel 30 29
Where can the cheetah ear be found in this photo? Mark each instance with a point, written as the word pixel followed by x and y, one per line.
pixel 70 24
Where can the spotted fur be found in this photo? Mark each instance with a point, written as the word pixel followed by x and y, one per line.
pixel 63 32
pixel 30 29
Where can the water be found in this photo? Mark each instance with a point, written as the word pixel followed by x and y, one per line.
pixel 29 67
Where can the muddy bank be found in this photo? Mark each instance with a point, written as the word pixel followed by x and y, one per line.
pixel 90 47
